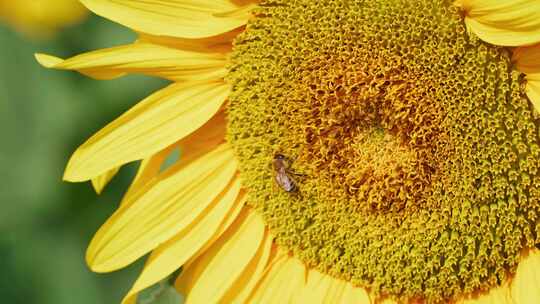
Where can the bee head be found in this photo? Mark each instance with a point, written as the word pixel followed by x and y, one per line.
pixel 279 157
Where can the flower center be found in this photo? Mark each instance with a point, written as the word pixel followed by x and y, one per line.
pixel 411 144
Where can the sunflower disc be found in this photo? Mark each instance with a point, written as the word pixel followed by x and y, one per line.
pixel 416 147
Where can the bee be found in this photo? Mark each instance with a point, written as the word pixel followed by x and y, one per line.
pixel 282 175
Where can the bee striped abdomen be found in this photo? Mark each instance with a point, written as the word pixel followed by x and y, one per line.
pixel 282 177
pixel 285 181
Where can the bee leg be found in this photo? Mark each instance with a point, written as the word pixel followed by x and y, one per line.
pixel 296 173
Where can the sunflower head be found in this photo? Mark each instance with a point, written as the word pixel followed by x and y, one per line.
pixel 408 137
pixel 405 127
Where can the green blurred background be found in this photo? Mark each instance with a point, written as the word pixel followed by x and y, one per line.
pixel 45 223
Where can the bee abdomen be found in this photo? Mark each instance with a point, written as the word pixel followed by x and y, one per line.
pixel 286 182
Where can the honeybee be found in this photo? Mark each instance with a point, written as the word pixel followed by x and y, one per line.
pixel 282 175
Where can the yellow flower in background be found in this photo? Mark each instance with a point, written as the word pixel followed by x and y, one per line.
pixel 408 129
pixel 41 18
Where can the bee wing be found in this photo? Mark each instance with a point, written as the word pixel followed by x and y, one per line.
pixel 285 181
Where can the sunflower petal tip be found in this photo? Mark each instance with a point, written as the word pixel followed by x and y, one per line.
pixel 97 268
pixel 95 263
pixel 97 186
pixel 100 182
pixel 75 170
pixel 47 61
pixel 74 176
pixel 69 175
pixel 96 260
pixel 90 260
pixel 129 298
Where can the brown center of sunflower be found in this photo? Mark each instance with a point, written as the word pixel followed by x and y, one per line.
pixel 370 135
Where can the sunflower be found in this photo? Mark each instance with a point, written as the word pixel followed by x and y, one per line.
pixel 41 18
pixel 331 151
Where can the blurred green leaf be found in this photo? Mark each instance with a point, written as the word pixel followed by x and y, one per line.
pixel 45 223
pixel 162 294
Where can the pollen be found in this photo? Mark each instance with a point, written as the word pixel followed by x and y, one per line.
pixel 417 149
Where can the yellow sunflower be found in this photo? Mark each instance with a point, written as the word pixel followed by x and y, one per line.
pixel 331 151
pixel 40 18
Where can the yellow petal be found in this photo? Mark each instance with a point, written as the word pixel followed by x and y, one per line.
pixel 160 210
pixel 324 289
pixel 533 90
pixel 52 62
pixel 231 217
pixel 148 169
pixel 198 143
pixel 507 23
pixel 212 274
pixel 176 18
pixel 171 255
pixel 356 295
pixel 142 58
pixel 205 138
pixel 155 123
pixel 101 181
pixel 215 44
pixel 525 288
pixel 243 287
pixel 282 282
pixel 320 288
pixel 527 59
pixel 47 61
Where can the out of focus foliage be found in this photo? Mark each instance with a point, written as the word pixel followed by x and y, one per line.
pixel 46 224
pixel 41 18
